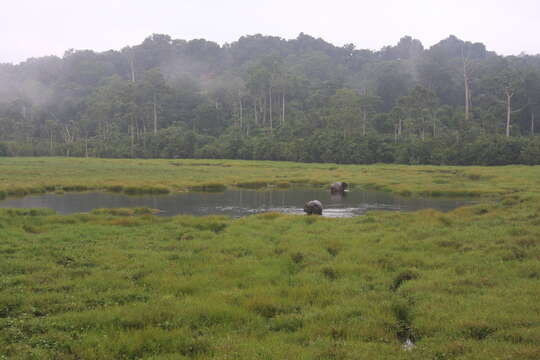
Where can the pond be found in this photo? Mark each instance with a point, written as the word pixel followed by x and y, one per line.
pixel 236 203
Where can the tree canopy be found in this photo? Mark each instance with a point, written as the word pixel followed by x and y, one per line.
pixel 264 97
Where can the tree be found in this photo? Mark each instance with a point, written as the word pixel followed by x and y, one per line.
pixel 345 110
pixel 419 107
pixel 368 105
pixel 506 86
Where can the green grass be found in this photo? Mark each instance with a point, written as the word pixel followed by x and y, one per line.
pixel 124 284
pixel 21 176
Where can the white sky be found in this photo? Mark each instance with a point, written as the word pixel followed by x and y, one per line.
pixel 31 28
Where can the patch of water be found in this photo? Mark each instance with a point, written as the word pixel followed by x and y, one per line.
pixel 408 345
pixel 236 203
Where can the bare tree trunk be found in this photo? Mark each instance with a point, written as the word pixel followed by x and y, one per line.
pixel 283 109
pixel 241 114
pixel 155 115
pixel 263 108
pixel 132 139
pixel 270 108
pixel 509 95
pixel 86 145
pixel 467 96
pixel 465 62
pixel 364 116
pixel 68 139
pixel 470 102
pixel 532 123
pixel 144 137
pixel 255 111
pixel 50 143
pixel 132 67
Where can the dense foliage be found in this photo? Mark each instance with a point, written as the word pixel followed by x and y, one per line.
pixel 264 97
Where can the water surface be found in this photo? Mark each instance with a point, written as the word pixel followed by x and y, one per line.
pixel 236 203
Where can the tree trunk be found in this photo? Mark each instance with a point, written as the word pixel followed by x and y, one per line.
pixel 51 143
pixel 263 107
pixel 86 145
pixel 132 126
pixel 132 67
pixel 283 109
pixel 270 108
pixel 241 114
pixel 364 116
pixel 532 123
pixel 467 96
pixel 509 95
pixel 255 111
pixel 468 106
pixel 155 115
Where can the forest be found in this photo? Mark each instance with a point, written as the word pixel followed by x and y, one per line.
pixel 268 98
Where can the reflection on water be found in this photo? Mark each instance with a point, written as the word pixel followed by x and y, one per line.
pixel 236 203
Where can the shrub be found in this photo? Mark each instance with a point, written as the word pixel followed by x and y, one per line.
pixel 3 149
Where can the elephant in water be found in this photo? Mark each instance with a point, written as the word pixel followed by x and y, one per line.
pixel 338 187
pixel 313 207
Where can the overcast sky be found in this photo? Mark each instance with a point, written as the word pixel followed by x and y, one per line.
pixel 32 28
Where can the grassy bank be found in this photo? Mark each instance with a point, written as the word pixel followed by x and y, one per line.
pixel 19 176
pixel 124 284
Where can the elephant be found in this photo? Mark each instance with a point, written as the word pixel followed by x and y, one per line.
pixel 313 207
pixel 338 187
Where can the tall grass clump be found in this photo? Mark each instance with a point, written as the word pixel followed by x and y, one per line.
pixel 208 187
pixel 144 190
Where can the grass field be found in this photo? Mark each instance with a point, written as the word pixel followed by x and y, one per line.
pixel 129 285
pixel 19 176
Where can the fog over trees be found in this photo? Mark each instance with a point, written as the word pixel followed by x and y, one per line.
pixel 265 97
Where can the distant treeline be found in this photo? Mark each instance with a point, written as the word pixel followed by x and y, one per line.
pixel 264 97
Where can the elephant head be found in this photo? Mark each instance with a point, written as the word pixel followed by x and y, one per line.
pixel 338 187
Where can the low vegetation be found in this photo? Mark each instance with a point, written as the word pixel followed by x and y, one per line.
pixel 23 176
pixel 125 284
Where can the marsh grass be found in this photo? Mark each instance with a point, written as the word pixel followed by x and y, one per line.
pixel 30 175
pixel 140 190
pixel 125 284
pixel 208 187
pixel 256 184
